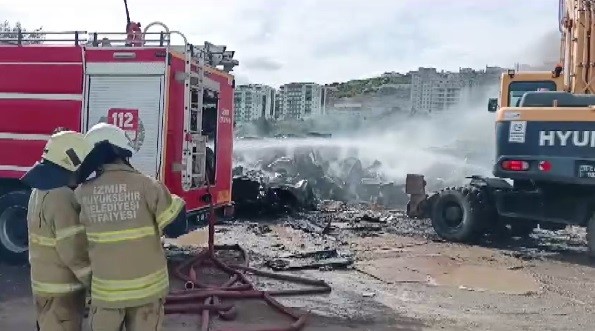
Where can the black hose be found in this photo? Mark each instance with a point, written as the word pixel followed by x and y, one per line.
pixel 127 15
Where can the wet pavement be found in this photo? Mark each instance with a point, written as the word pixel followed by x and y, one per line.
pixel 17 313
pixel 402 277
pixel 545 282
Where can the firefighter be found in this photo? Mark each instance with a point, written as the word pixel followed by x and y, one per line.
pixel 134 34
pixel 60 269
pixel 125 213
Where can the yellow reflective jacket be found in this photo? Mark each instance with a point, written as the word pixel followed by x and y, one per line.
pixel 57 243
pixel 124 213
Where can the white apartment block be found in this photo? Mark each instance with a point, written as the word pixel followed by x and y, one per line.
pixel 253 101
pixel 300 100
pixel 436 91
pixel 432 90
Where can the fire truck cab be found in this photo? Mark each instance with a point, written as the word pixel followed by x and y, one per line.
pixel 175 102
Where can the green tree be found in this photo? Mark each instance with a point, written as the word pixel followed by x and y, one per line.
pixel 9 34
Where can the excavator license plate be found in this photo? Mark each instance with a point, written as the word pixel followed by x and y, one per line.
pixel 585 169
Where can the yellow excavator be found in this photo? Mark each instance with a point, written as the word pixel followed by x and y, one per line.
pixel 544 172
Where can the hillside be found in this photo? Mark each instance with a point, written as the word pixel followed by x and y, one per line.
pixel 366 86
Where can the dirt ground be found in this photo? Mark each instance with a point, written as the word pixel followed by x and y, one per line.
pixel 403 278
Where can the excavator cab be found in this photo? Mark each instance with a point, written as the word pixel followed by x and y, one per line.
pixel 515 84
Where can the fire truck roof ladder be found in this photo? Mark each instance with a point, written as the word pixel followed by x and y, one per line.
pixel 195 145
pixel 20 37
pixel 83 38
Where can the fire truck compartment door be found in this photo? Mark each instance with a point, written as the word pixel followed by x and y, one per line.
pixel 134 103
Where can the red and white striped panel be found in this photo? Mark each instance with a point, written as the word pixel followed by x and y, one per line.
pixel 41 88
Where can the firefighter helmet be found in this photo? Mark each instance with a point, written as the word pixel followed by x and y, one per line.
pixel 104 132
pixel 62 156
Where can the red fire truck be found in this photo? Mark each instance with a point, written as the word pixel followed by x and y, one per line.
pixel 176 103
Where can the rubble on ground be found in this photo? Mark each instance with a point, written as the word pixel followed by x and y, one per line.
pixel 314 239
pixel 324 260
pixel 255 196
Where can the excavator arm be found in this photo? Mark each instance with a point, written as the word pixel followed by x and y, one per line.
pixel 577 20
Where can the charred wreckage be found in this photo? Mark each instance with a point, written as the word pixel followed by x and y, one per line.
pixel 299 181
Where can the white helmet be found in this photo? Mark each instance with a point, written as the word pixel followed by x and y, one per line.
pixel 110 133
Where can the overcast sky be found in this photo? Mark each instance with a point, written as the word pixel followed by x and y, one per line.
pixel 279 41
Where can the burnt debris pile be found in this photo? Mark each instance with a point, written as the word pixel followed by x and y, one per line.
pixel 270 181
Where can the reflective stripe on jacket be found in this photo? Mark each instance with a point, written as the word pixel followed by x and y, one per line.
pixel 125 213
pixel 57 243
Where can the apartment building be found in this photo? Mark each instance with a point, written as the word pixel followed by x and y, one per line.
pixel 300 100
pixel 433 91
pixel 254 101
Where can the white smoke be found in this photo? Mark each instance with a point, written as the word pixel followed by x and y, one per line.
pixel 449 145
pixel 446 146
pixel 545 49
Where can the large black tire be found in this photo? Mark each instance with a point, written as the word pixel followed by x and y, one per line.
pixel 522 228
pixel 461 214
pixel 552 226
pixel 14 246
pixel 591 236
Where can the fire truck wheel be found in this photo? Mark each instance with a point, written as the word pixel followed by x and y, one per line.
pixel 460 214
pixel 13 227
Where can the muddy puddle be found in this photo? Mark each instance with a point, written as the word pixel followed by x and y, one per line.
pixel 264 240
pixel 390 258
pixel 445 271
pixel 197 238
pixel 492 279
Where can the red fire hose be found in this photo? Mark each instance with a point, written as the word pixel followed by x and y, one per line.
pixel 204 299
